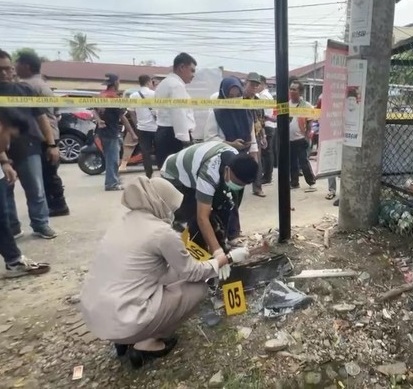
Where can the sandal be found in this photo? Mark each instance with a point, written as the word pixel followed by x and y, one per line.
pixel 330 196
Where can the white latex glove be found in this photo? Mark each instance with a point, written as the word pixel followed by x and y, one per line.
pixel 240 254
pixel 224 272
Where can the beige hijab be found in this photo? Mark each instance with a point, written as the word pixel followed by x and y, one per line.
pixel 156 195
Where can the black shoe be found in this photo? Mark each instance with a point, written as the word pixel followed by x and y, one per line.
pixel 45 232
pixel 336 203
pixel 59 212
pixel 295 186
pixel 138 358
pixel 121 349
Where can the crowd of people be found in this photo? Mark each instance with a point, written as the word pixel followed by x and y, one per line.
pixel 142 286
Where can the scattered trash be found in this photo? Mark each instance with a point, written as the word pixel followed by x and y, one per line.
pixel 324 273
pixel 386 314
pixel 217 380
pixel 396 216
pixel 352 369
pixel 280 299
pixel 300 238
pixel 204 334
pixel 344 307
pixel 244 332
pixel 327 237
pixel 395 292
pixel 261 272
pixel 218 303
pixel 364 277
pixel 274 345
pixel 392 369
pixel 211 319
pixel 77 373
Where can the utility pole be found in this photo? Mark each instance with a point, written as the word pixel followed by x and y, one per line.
pixel 348 18
pixel 313 96
pixel 283 118
pixel 362 166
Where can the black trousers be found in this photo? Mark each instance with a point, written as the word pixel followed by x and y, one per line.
pixel 53 184
pixel 187 213
pixel 147 144
pixel 299 159
pixel 8 248
pixel 268 155
pixel 166 144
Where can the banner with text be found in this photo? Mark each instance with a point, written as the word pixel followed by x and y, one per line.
pixel 332 109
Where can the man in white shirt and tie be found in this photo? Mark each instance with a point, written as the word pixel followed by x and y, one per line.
pixel 175 125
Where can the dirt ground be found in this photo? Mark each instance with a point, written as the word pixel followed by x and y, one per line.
pixel 43 339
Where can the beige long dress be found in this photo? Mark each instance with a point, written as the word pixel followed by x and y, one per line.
pixel 142 283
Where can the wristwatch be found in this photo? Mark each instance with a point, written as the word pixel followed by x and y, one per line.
pixel 5 162
pixel 53 146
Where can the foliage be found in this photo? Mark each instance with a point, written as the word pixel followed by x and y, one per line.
pixel 17 52
pixel 81 50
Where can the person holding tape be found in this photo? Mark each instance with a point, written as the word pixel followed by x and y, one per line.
pixel 141 287
pixel 208 174
pixel 175 125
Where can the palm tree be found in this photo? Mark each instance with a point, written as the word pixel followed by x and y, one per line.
pixel 81 50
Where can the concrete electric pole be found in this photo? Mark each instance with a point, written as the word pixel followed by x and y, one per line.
pixel 362 166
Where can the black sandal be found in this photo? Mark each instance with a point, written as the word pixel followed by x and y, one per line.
pixel 139 358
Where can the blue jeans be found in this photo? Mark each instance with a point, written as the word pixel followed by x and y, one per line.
pixel 332 184
pixel 30 176
pixel 8 248
pixel 111 152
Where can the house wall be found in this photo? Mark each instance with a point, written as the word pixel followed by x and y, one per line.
pixel 86 85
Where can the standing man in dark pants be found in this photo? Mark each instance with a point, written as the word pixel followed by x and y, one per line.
pixel 28 67
pixel 11 123
pixel 175 125
pixel 145 121
pixel 108 121
pixel 299 128
pixel 25 153
pixel 269 153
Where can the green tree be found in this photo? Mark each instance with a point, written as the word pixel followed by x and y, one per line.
pixel 81 50
pixel 15 54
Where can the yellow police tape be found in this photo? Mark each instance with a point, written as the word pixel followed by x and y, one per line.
pixel 97 102
pixel 101 102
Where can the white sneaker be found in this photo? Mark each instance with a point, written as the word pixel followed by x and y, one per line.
pixel 25 267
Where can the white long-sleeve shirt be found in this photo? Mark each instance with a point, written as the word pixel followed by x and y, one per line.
pixel 269 113
pixel 181 119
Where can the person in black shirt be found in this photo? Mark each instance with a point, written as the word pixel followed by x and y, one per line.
pixel 16 264
pixel 108 121
pixel 25 155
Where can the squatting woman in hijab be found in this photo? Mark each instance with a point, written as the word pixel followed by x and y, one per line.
pixel 143 283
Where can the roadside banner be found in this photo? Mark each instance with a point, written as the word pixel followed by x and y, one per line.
pixel 332 110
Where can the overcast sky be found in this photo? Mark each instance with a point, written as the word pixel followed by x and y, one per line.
pixel 241 41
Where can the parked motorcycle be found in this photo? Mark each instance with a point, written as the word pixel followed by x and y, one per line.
pixel 92 161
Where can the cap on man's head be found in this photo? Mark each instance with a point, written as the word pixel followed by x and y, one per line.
pixel 254 77
pixel 111 79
